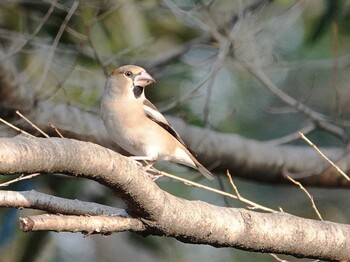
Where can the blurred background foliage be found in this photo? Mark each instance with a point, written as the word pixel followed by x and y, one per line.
pixel 64 49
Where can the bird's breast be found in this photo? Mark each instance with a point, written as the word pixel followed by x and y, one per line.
pixel 121 125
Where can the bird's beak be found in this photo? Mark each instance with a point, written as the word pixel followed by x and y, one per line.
pixel 143 79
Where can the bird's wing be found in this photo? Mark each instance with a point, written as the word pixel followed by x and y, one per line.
pixel 156 116
pixel 153 112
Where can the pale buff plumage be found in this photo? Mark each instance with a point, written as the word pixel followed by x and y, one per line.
pixel 136 125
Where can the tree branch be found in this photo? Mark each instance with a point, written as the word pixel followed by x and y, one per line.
pixel 167 215
pixel 84 224
pixel 58 205
pixel 318 118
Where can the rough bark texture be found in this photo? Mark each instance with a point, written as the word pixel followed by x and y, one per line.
pixel 167 215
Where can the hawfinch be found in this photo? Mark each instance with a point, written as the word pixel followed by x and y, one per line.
pixel 136 125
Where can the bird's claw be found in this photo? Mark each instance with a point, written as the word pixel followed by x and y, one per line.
pixel 153 177
pixel 139 164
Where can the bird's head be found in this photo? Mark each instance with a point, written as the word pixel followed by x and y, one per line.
pixel 129 77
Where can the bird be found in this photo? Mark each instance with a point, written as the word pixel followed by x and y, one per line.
pixel 137 126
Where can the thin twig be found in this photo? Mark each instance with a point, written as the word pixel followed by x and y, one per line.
pixel 324 156
pixel 240 198
pixel 308 195
pixel 222 183
pixel 224 49
pixel 248 10
pixel 59 85
pixel 100 16
pixel 233 185
pixel 76 34
pixel 14 50
pixel 56 129
pixel 187 15
pixel 277 258
pixel 21 178
pixel 55 43
pixel 178 101
pixel 189 94
pixel 94 50
pixel 15 128
pixel 191 183
pixel 59 6
pixel 308 128
pixel 89 25
pixel 321 120
pixel 166 57
pixel 32 124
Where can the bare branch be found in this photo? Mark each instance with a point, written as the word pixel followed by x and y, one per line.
pixel 224 49
pixel 220 192
pixel 324 156
pixel 321 121
pixel 15 128
pixel 20 178
pixel 167 215
pixel 56 130
pixel 52 204
pixel 55 43
pixel 308 128
pixel 277 258
pixel 247 10
pixel 308 195
pixel 15 48
pixel 97 57
pixel 32 124
pixel 84 224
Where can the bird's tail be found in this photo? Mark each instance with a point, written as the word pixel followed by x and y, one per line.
pixel 186 158
pixel 205 172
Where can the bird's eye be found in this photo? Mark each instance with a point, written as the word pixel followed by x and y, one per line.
pixel 128 73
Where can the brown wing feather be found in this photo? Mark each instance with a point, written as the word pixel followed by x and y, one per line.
pixel 158 118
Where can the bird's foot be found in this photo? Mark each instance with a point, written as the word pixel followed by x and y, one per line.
pixel 154 177
pixel 139 164
pixel 143 158
pixel 136 159
pixel 148 166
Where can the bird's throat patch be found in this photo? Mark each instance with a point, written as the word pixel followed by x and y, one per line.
pixel 138 91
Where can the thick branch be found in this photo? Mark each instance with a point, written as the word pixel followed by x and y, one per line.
pixel 164 214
